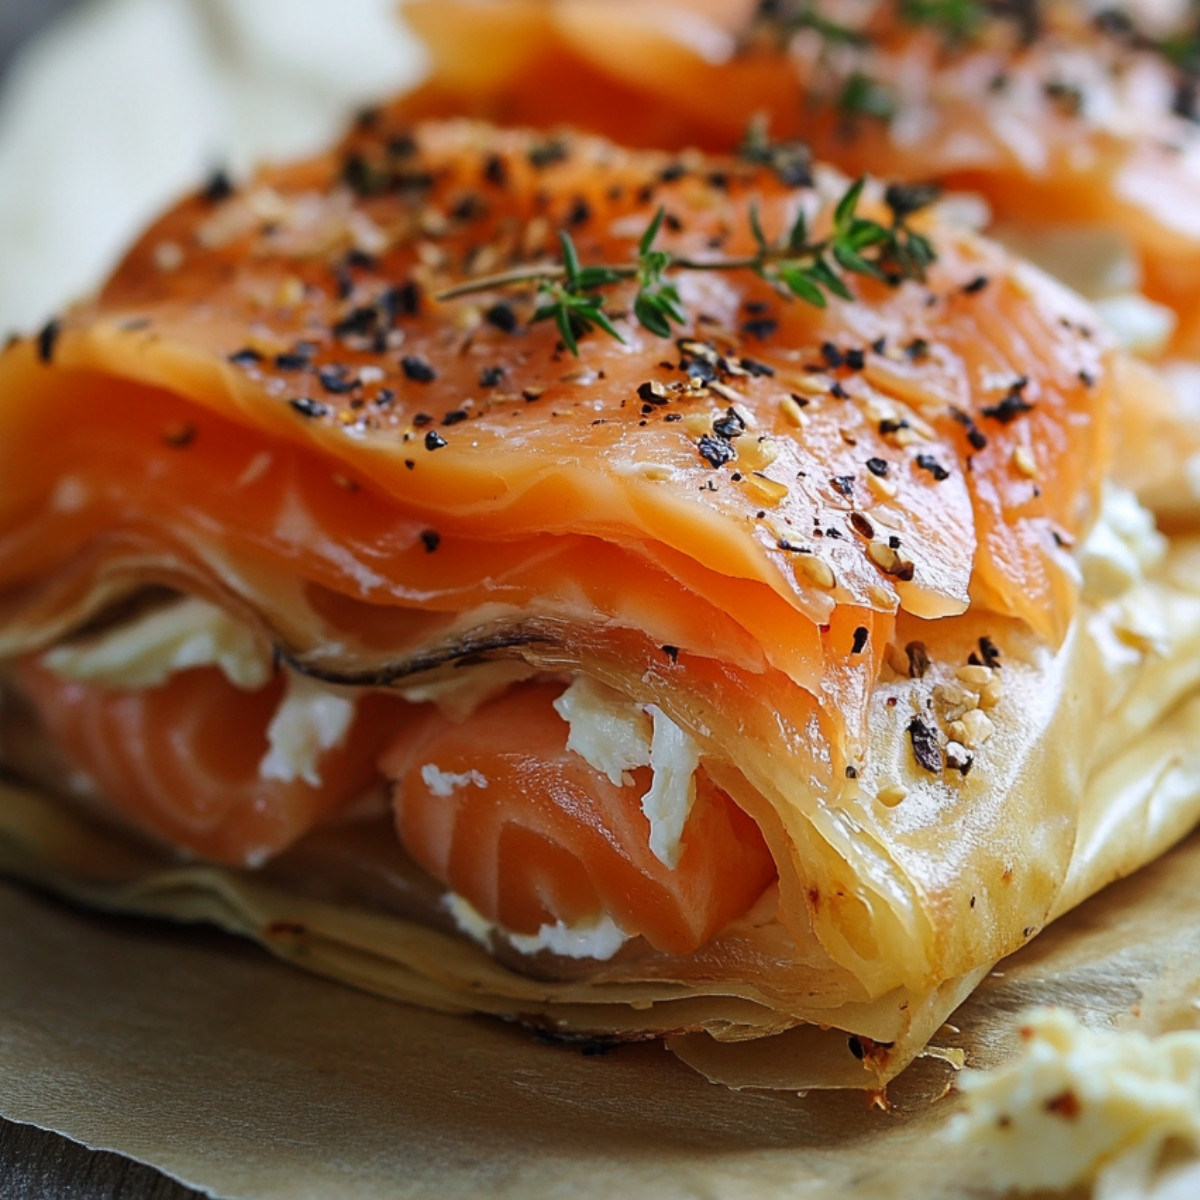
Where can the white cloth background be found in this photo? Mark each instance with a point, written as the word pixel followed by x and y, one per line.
pixel 124 104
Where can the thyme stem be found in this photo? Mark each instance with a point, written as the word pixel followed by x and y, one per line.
pixel 550 272
pixel 571 294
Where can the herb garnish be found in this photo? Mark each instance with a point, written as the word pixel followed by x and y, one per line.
pixel 782 18
pixel 862 96
pixel 791 161
pixel 571 294
pixel 957 19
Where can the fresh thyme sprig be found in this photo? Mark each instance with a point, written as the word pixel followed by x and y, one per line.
pixel 657 303
pixel 782 18
pixel 958 20
pixel 574 302
pixel 572 295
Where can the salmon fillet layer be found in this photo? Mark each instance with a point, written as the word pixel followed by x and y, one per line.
pixel 756 681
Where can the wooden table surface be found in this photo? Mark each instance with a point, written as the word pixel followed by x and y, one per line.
pixel 35 1165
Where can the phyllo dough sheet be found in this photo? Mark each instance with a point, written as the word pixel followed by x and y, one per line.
pixel 766 670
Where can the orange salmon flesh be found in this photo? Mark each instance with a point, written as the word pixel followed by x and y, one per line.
pixel 290 419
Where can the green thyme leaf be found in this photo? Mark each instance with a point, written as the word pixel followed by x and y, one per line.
pixel 957 20
pixel 757 230
pixel 797 237
pixel 861 96
pixel 570 257
pixel 802 286
pixel 600 317
pixel 572 295
pixel 651 315
pixel 651 232
pixel 844 212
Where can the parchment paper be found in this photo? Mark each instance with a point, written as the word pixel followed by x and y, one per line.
pixel 199 1054
pixel 195 1052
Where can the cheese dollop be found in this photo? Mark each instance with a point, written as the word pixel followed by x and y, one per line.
pixel 1080 1103
pixel 1122 547
pixel 446 783
pixel 146 651
pixel 1102 265
pixel 310 720
pixel 598 937
pixel 614 735
pixel 187 633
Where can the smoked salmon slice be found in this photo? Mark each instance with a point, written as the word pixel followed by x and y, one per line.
pixel 183 761
pixel 693 550
pixel 531 834
pixel 1063 116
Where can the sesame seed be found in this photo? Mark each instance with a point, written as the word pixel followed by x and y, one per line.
pixel 759 452
pixel 883 489
pixel 1024 462
pixel 792 412
pixel 764 490
pixel 890 560
pixel 918 659
pixel 816 570
pixel 861 525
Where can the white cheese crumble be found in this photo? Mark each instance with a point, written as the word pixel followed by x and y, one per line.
pixel 1139 325
pixel 1101 265
pixel 674 758
pixel 613 735
pixel 147 651
pixel 188 633
pixel 1079 1103
pixel 608 732
pixel 310 720
pixel 1121 548
pixel 598 937
pixel 446 783
pixel 1093 262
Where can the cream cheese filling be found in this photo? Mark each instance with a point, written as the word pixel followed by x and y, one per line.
pixel 309 721
pixel 147 651
pixel 1080 1103
pixel 1122 547
pixel 607 730
pixel 1102 265
pixel 613 735
pixel 598 937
